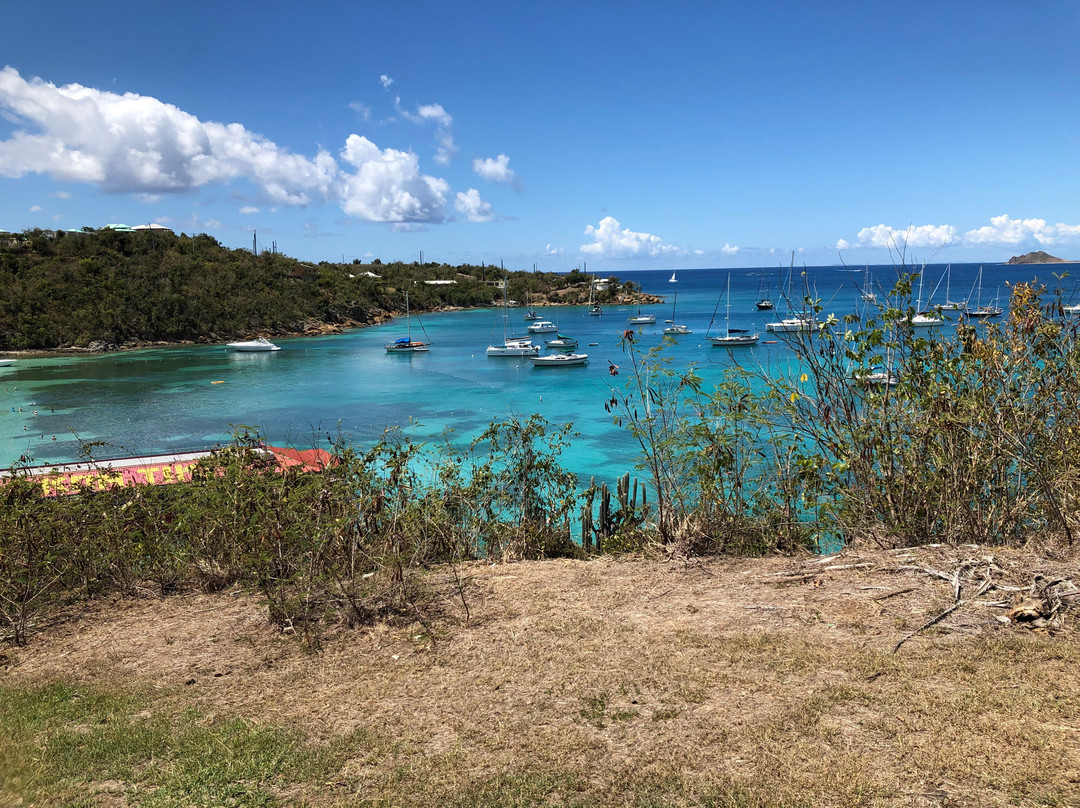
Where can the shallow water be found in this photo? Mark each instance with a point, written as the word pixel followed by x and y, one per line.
pixel 163 400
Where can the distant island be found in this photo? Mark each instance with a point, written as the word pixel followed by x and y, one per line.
pixel 1037 257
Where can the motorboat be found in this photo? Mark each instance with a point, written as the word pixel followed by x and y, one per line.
pixel 6 362
pixel 926 319
pixel 262 344
pixel 790 324
pixel 543 327
pixel 559 360
pixel 675 329
pixel 880 376
pixel 514 348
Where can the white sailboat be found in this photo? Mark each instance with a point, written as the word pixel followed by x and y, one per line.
pixel 511 345
pixel 675 329
pixel 407 344
pixel 793 322
pixel 594 308
pixel 737 338
pixel 991 310
pixel 950 304
pixel 765 301
pixel 868 293
pixel 923 319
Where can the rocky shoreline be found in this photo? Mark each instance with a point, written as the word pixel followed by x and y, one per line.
pixel 306 328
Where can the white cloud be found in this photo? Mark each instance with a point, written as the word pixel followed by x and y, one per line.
pixel 61 195
pixel 611 242
pixel 361 109
pixel 443 121
pixel 1003 230
pixel 148 199
pixel 472 207
pixel 249 209
pixel 888 237
pixel 388 185
pixel 435 112
pixel 729 249
pixel 552 250
pixel 35 208
pixel 385 81
pixel 495 169
pixel 138 144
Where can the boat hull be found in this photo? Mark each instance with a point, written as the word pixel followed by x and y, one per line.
pixel 736 341
pixel 559 360
pixel 788 326
pixel 254 346
pixel 513 350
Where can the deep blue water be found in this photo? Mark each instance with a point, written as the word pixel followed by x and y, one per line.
pixel 155 401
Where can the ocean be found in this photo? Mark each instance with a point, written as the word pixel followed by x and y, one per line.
pixel 193 397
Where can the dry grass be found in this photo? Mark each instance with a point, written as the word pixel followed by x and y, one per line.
pixel 730 682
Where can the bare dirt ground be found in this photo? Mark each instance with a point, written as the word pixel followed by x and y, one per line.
pixel 652 681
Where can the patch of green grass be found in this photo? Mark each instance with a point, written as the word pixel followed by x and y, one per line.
pixel 59 744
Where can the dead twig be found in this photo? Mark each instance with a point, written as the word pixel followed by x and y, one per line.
pixel 929 623
pixel 894 594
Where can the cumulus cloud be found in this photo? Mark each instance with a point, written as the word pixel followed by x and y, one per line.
pixel 433 113
pixel 472 207
pixel 385 81
pixel 729 249
pixel 61 194
pixel 35 208
pixel 553 250
pixel 888 237
pixel 611 242
pixel 495 169
pixel 1004 230
pixel 137 144
pixel 249 209
pixel 388 186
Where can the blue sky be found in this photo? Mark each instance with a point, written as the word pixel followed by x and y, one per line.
pixel 627 135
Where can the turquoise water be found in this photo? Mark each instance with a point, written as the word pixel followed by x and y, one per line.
pixel 154 401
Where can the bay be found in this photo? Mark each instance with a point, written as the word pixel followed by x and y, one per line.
pixel 191 397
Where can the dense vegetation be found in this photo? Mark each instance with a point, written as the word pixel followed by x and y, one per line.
pixel 63 289
pixel 973 439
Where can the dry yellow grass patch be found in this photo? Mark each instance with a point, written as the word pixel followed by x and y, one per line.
pixel 642 682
